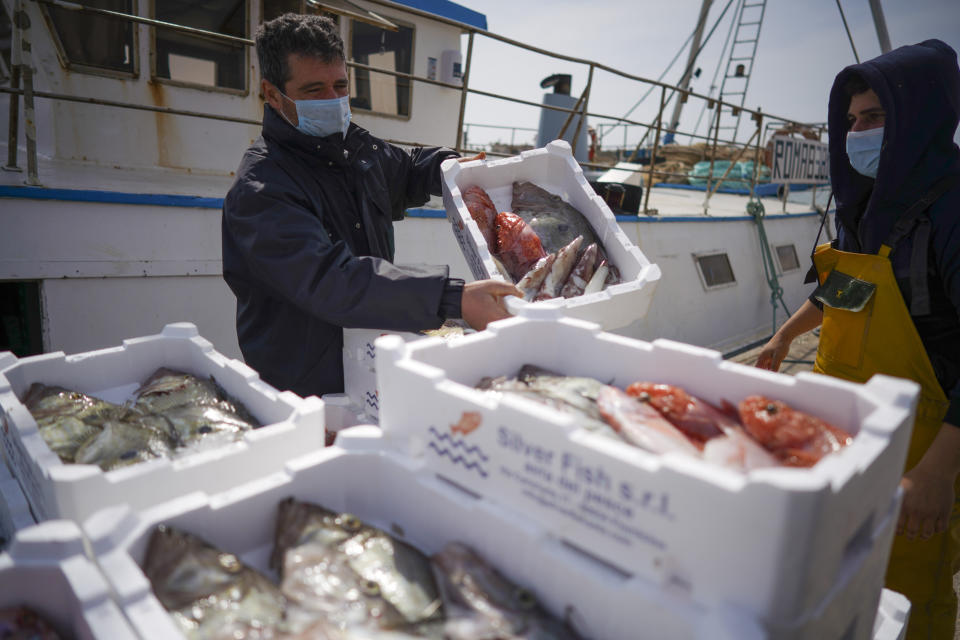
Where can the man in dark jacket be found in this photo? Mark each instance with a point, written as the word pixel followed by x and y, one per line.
pixel 895 171
pixel 308 223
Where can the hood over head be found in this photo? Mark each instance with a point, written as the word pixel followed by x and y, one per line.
pixel 919 88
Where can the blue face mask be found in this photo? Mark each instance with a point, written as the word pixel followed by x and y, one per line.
pixel 863 149
pixel 322 117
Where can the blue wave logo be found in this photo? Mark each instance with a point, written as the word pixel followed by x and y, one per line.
pixel 373 400
pixel 371 350
pixel 470 457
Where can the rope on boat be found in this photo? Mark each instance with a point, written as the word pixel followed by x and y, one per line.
pixel 756 211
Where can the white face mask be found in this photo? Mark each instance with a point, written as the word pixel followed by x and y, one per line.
pixel 863 149
pixel 322 117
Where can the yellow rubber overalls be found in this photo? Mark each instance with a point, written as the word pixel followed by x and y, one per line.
pixel 875 334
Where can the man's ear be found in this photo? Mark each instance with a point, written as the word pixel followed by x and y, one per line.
pixel 272 95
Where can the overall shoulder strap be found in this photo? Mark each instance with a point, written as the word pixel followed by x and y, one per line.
pixel 915 217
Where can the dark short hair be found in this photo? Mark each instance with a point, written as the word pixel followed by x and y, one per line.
pixel 305 35
pixel 854 85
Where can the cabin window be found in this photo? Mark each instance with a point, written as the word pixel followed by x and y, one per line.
pixel 91 42
pixel 715 270
pixel 199 61
pixel 787 255
pixel 384 49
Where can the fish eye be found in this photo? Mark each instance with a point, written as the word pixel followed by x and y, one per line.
pixel 129 455
pixel 525 599
pixel 771 408
pixel 370 588
pixel 350 522
pixel 205 429
pixel 643 397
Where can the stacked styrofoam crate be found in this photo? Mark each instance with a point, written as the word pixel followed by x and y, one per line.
pixel 552 168
pixel 46 570
pixel 14 511
pixel 340 412
pixel 892 616
pixel 359 368
pixel 292 425
pixel 404 497
pixel 803 550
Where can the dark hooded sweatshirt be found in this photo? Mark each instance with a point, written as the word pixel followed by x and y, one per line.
pixel 919 88
pixel 307 248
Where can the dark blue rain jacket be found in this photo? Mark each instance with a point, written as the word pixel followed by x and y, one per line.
pixel 307 249
pixel 919 88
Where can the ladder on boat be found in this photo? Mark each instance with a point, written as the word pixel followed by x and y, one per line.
pixel 739 66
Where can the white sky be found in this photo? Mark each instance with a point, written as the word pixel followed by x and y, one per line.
pixel 802 46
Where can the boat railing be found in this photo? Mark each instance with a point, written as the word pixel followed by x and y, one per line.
pixel 711 144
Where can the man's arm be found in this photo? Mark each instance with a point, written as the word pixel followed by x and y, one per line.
pixel 807 317
pixel 286 249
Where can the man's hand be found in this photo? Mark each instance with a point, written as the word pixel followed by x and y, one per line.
pixel 773 353
pixel 483 302
pixel 928 487
pixel 480 156
pixel 927 501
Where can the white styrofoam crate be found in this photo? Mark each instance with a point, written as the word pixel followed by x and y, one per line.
pixel 403 496
pixel 46 570
pixel 14 511
pixel 892 616
pixel 850 608
pixel 341 412
pixel 359 367
pixel 406 498
pixel 552 168
pixel 54 489
pixel 774 540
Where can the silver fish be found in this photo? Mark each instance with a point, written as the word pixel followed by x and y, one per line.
pixel 66 419
pixel 566 259
pixel 125 442
pixel 67 434
pixel 210 593
pixel 212 425
pixel 556 222
pixel 402 572
pixel 329 558
pixel 570 394
pixel 530 284
pixel 484 604
pixel 320 583
pixel 167 388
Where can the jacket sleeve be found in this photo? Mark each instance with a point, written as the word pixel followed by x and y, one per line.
pixel 414 175
pixel 290 255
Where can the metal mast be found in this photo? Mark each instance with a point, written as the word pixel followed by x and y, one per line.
pixel 688 70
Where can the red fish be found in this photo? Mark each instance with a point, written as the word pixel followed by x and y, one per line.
pixel 696 418
pixel 483 212
pixel 796 438
pixel 640 424
pixel 518 245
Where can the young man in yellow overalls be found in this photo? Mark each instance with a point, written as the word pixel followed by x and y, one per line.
pixel 889 294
